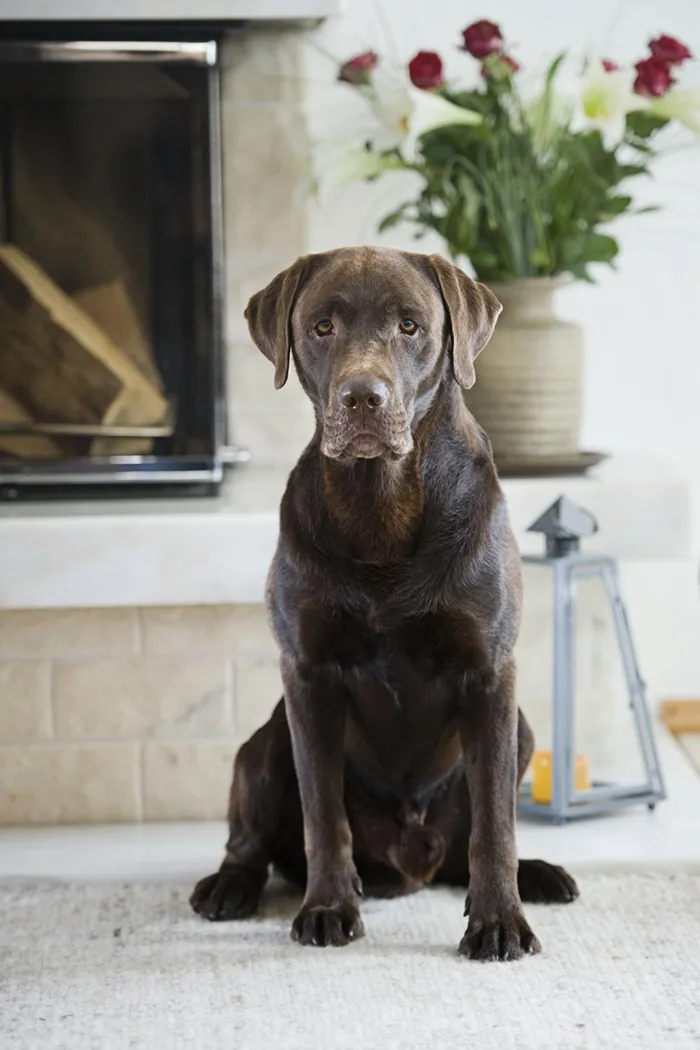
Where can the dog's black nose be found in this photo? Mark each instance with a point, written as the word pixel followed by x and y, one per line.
pixel 364 391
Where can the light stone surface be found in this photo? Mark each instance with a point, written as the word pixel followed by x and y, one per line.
pixel 187 781
pixel 266 183
pixel 68 632
pixel 218 551
pixel 239 629
pixel 265 178
pixel 172 10
pixel 258 689
pixel 49 784
pixel 276 425
pixel 25 700
pixel 137 699
pixel 262 64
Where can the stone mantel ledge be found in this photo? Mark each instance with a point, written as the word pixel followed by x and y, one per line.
pixel 175 10
pixel 218 550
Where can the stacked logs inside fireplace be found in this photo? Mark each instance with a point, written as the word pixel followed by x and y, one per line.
pixel 77 368
pixel 80 359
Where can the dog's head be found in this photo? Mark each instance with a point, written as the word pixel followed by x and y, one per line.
pixel 373 332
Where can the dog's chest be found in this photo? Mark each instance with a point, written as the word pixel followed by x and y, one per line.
pixel 403 701
pixel 408 670
pixel 428 646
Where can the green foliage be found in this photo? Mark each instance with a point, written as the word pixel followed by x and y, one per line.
pixel 641 125
pixel 519 197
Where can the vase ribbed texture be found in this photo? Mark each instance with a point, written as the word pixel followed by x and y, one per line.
pixel 527 394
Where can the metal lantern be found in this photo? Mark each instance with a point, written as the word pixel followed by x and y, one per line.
pixel 564 525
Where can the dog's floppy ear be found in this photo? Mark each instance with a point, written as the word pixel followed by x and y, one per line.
pixel 269 317
pixel 472 311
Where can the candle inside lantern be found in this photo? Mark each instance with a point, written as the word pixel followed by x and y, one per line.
pixel 542 775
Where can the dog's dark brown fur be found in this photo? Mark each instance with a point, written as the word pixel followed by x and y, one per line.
pixel 395 596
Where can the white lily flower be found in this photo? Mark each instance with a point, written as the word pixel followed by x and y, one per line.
pixel 341 165
pixel 597 98
pixel 403 113
pixel 682 104
pixel 380 126
pixel 605 100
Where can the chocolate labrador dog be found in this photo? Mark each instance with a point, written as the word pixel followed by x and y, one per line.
pixel 394 758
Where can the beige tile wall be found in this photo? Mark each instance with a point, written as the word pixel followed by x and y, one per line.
pixel 136 714
pixel 128 714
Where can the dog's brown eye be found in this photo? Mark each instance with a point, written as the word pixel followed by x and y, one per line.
pixel 324 327
pixel 407 326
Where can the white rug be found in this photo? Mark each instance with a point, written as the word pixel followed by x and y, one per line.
pixel 117 967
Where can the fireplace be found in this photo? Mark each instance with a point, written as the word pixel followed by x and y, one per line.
pixel 111 359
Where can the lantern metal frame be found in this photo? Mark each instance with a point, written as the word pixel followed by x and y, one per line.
pixel 567 802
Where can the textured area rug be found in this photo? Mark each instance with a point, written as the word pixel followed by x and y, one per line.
pixel 122 967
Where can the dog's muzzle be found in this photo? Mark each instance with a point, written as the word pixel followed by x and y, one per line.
pixel 363 421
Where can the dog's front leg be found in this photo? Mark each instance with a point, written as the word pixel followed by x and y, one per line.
pixel 489 727
pixel 315 704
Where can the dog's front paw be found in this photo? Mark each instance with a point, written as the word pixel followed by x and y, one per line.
pixel 501 937
pixel 322 924
pixel 232 893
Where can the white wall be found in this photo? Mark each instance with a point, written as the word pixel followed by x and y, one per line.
pixel 642 322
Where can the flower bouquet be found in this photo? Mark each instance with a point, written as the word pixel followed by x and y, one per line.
pixel 519 181
pixel 520 177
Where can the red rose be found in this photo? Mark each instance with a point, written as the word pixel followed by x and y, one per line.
pixel 426 70
pixel 653 77
pixel 482 39
pixel 357 70
pixel 669 50
pixel 609 66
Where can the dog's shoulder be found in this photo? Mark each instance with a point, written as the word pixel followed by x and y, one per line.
pixel 461 480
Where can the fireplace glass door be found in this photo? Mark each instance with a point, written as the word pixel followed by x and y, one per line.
pixel 110 354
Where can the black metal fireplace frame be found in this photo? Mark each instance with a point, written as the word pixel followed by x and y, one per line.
pixel 122 475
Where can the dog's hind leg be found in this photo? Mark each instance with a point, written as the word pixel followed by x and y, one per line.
pixel 261 786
